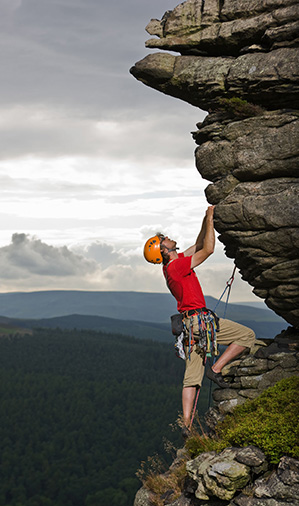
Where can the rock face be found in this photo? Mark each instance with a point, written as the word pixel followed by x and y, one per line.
pixel 239 60
pixel 237 476
pixel 248 377
pixel 279 489
pixel 216 480
pixel 221 475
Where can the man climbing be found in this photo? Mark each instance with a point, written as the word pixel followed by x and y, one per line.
pixel 178 269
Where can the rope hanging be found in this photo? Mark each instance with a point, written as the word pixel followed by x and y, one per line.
pixel 194 408
pixel 228 287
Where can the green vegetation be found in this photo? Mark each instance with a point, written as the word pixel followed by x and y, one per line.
pixel 10 330
pixel 238 108
pixel 79 412
pixel 171 482
pixel 269 422
pixel 6 331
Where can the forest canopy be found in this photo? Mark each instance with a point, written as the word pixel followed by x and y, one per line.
pixel 79 411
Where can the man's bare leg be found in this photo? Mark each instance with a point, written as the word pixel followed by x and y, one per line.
pixel 231 352
pixel 188 393
pixel 188 396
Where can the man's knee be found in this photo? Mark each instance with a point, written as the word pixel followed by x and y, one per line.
pixel 233 332
pixel 248 338
pixel 251 338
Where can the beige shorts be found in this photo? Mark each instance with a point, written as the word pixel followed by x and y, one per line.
pixel 230 332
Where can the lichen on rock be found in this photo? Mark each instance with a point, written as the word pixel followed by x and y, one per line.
pixel 218 475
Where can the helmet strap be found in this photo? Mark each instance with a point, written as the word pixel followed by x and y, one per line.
pixel 172 249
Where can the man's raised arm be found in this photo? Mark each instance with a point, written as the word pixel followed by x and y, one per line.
pixel 200 238
pixel 208 241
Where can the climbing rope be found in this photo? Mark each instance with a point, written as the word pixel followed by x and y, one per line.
pixel 194 408
pixel 228 287
pixel 210 389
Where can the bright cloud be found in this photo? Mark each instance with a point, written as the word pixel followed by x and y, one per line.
pixel 28 263
pixel 92 162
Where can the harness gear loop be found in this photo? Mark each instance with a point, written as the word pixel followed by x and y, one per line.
pixel 201 332
pixel 191 340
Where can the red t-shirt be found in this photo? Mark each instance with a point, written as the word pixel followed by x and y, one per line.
pixel 183 283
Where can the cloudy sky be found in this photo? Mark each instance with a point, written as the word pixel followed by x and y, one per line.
pixel 92 162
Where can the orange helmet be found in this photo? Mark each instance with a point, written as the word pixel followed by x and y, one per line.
pixel 152 252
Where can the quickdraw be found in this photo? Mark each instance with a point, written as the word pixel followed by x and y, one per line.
pixel 208 326
pixel 205 337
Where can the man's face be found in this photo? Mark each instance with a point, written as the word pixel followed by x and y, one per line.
pixel 165 242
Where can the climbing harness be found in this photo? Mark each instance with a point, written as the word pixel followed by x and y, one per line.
pixel 206 323
pixel 206 340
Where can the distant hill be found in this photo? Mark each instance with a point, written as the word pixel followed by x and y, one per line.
pixel 142 330
pixel 154 307
pixel 139 314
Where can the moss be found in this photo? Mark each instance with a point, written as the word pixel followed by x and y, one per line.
pixel 197 444
pixel 270 422
pixel 238 108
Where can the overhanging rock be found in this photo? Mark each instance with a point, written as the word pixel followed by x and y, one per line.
pixel 239 61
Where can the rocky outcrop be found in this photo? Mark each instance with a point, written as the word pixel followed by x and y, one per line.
pixel 226 27
pixel 239 61
pixel 217 480
pixel 201 81
pixel 248 377
pixel 279 488
pixel 253 166
pixel 237 476
pixel 224 474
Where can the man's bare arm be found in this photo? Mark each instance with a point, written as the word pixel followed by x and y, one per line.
pixel 199 241
pixel 208 241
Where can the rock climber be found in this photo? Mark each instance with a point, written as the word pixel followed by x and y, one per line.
pixel 181 279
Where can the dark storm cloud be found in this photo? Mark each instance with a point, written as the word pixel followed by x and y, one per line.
pixel 26 256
